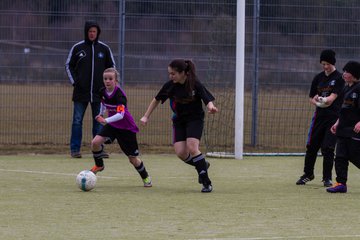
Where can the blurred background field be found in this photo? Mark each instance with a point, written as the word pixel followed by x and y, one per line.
pixel 255 198
pixel 283 41
pixel 38 119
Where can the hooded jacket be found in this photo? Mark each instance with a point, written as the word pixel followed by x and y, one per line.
pixel 85 65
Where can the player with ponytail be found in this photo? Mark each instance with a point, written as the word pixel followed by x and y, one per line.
pixel 186 94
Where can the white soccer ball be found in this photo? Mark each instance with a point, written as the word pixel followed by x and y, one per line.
pixel 86 180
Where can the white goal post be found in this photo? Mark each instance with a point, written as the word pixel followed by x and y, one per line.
pixel 239 89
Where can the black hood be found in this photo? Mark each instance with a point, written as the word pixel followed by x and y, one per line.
pixel 88 25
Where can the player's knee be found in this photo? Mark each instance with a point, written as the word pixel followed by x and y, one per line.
pixel 134 161
pixel 193 150
pixel 96 144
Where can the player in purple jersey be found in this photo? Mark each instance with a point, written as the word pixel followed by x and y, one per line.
pixel 186 94
pixel 347 128
pixel 324 94
pixel 118 124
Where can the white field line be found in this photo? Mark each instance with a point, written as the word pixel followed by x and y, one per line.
pixel 66 174
pixel 48 173
pixel 288 237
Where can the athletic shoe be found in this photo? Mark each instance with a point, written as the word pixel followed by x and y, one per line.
pixel 147 182
pixel 327 182
pixel 95 169
pixel 304 179
pixel 337 188
pixel 207 167
pixel 76 155
pixel 207 188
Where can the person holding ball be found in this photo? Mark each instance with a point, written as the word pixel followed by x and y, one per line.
pixel 324 94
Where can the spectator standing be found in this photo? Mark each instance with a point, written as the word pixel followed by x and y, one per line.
pixel 84 66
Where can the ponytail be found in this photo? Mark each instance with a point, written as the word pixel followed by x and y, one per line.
pixel 187 66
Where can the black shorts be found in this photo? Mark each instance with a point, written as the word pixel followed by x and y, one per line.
pixel 125 138
pixel 187 129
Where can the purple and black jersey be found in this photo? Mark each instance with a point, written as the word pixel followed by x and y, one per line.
pixel 185 105
pixel 116 103
pixel 350 112
pixel 323 86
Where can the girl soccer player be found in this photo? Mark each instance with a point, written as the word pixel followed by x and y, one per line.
pixel 186 94
pixel 119 124
pixel 347 128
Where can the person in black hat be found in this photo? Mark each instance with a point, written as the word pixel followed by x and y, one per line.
pixel 347 128
pixel 324 94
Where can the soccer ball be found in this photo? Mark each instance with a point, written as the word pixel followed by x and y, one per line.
pixel 86 180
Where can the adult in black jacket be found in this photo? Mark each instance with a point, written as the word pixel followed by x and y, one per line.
pixel 84 66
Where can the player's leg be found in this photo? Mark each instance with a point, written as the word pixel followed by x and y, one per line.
pixel 128 143
pixel 194 131
pixel 341 166
pixel 97 148
pixel 315 137
pixel 76 128
pixel 140 168
pixel 327 151
pixel 200 163
pixel 179 143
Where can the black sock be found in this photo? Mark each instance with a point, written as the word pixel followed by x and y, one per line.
pixel 98 160
pixel 189 161
pixel 142 171
pixel 201 168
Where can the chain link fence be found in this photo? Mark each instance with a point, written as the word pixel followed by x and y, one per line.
pixel 282 46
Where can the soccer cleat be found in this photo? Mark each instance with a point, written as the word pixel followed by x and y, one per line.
pixel 337 188
pixel 147 182
pixel 207 188
pixel 95 169
pixel 206 182
pixel 304 179
pixel 207 167
pixel 327 182
pixel 76 155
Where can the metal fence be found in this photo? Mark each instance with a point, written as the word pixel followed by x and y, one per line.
pixel 283 43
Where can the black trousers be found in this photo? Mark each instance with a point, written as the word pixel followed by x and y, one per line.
pixel 320 136
pixel 347 150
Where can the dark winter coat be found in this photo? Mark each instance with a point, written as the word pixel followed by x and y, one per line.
pixel 85 65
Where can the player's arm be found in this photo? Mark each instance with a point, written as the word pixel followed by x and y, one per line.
pixel 328 100
pixel 314 100
pixel 211 108
pixel 100 117
pixel 153 104
pixel 334 127
pixel 70 66
pixel 120 112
